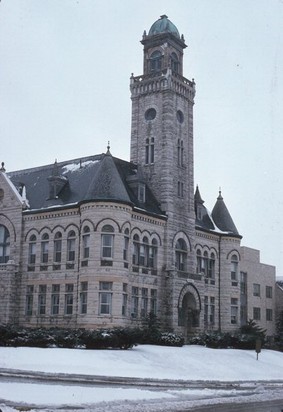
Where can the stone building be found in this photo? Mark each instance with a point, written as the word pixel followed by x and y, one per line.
pixel 101 242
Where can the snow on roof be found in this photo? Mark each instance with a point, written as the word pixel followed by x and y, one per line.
pixel 72 167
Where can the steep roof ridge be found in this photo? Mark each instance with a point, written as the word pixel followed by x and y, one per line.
pixel 222 218
pixel 59 165
pixel 107 183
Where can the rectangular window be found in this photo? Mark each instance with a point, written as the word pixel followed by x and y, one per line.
pixel 42 299
pixel 234 271
pixel 107 246
pixel 209 310
pixel 29 299
pixel 256 289
pixel 32 253
pixel 105 298
pixel 135 302
pixel 144 302
pixel 69 298
pixel 126 248
pixel 86 241
pixel 234 311
pixel 256 313
pixel 55 299
pixel 180 189
pixel 57 250
pixel 212 310
pixel 206 310
pixel 136 251
pixel 269 315
pixel 71 249
pixel 153 301
pixel 243 284
pixel 44 252
pixel 83 297
pixel 269 292
pixel 211 268
pixel 125 299
pixel 142 255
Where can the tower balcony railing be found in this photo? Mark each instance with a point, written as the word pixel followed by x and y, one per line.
pixel 162 80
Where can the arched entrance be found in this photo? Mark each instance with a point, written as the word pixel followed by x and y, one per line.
pixel 189 307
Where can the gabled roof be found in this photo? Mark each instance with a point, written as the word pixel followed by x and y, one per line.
pixel 93 178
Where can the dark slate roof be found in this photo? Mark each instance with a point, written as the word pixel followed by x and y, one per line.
pixel 203 219
pixel 219 221
pixel 222 217
pixel 94 178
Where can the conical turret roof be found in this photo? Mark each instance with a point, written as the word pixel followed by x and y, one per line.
pixel 222 217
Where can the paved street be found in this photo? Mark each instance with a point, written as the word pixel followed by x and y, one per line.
pixel 197 396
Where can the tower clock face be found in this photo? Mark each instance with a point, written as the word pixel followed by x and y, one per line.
pixel 150 114
pixel 180 116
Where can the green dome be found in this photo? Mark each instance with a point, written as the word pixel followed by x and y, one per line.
pixel 163 25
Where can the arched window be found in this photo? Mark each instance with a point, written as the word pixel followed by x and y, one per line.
pixel 86 241
pixel 57 255
pixel 126 246
pixel 71 244
pixel 155 61
pixel 153 254
pixel 107 242
pixel 136 249
pixel 44 248
pixel 181 255
pixel 32 250
pixel 211 268
pixel 234 270
pixel 4 244
pixel 174 63
pixel 199 261
pixel 149 150
pixel 44 251
pixel 144 251
pixel 205 263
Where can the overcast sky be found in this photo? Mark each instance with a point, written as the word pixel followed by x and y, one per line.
pixel 64 92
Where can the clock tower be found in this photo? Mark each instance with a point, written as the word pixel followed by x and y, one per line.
pixel 162 133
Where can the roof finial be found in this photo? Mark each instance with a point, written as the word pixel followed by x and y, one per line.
pixel 2 167
pixel 108 148
pixel 220 196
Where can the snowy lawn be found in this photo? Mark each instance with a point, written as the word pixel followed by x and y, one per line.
pixel 148 361
pixel 145 361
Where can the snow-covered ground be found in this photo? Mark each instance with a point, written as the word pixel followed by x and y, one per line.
pixel 146 361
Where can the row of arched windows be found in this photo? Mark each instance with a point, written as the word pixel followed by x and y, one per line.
pixel 144 250
pixel 206 263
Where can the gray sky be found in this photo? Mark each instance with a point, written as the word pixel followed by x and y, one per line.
pixel 64 92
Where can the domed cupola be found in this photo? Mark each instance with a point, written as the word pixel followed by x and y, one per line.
pixel 163 25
